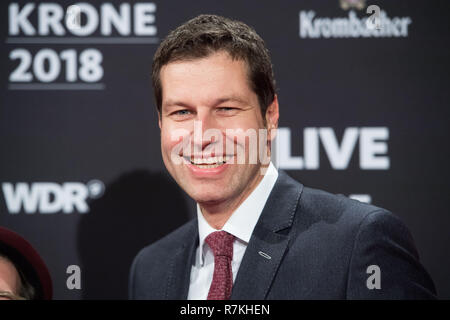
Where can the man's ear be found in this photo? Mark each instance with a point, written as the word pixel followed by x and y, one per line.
pixel 159 119
pixel 272 115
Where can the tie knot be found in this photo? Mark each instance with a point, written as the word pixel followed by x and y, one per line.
pixel 221 243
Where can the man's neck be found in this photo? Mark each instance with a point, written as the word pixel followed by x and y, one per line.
pixel 218 213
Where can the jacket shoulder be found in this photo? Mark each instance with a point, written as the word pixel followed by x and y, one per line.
pixel 166 245
pixel 149 267
pixel 358 235
pixel 320 205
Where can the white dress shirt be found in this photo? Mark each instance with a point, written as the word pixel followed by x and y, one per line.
pixel 240 224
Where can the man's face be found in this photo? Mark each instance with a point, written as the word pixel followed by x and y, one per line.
pixel 214 92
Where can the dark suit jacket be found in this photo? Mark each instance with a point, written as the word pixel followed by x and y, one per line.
pixel 320 246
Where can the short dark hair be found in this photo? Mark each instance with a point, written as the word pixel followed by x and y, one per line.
pixel 206 34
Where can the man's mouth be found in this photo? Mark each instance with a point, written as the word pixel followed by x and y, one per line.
pixel 209 162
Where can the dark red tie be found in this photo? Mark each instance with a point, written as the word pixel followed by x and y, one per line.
pixel 221 243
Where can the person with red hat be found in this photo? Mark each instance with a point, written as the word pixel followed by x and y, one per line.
pixel 23 273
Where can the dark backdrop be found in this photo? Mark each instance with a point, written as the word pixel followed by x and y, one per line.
pixel 81 170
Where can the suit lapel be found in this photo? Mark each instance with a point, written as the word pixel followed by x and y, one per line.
pixel 267 246
pixel 180 267
pixel 259 265
pixel 263 254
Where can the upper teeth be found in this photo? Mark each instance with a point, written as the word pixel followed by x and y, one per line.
pixel 210 160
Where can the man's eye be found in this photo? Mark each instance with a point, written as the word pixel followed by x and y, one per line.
pixel 226 108
pixel 181 112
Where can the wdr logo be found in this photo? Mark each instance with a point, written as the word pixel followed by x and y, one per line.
pixel 50 197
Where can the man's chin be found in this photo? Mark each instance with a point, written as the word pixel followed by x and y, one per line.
pixel 209 197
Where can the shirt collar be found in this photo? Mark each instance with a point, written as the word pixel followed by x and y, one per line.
pixel 244 218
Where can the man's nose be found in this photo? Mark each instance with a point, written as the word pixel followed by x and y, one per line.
pixel 206 119
pixel 204 122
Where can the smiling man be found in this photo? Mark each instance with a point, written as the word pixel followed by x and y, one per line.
pixel 258 234
pixel 214 92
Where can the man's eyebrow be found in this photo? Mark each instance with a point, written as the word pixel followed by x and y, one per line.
pixel 231 98
pixel 176 103
pixel 179 103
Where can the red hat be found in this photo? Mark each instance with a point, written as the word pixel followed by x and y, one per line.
pixel 22 253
